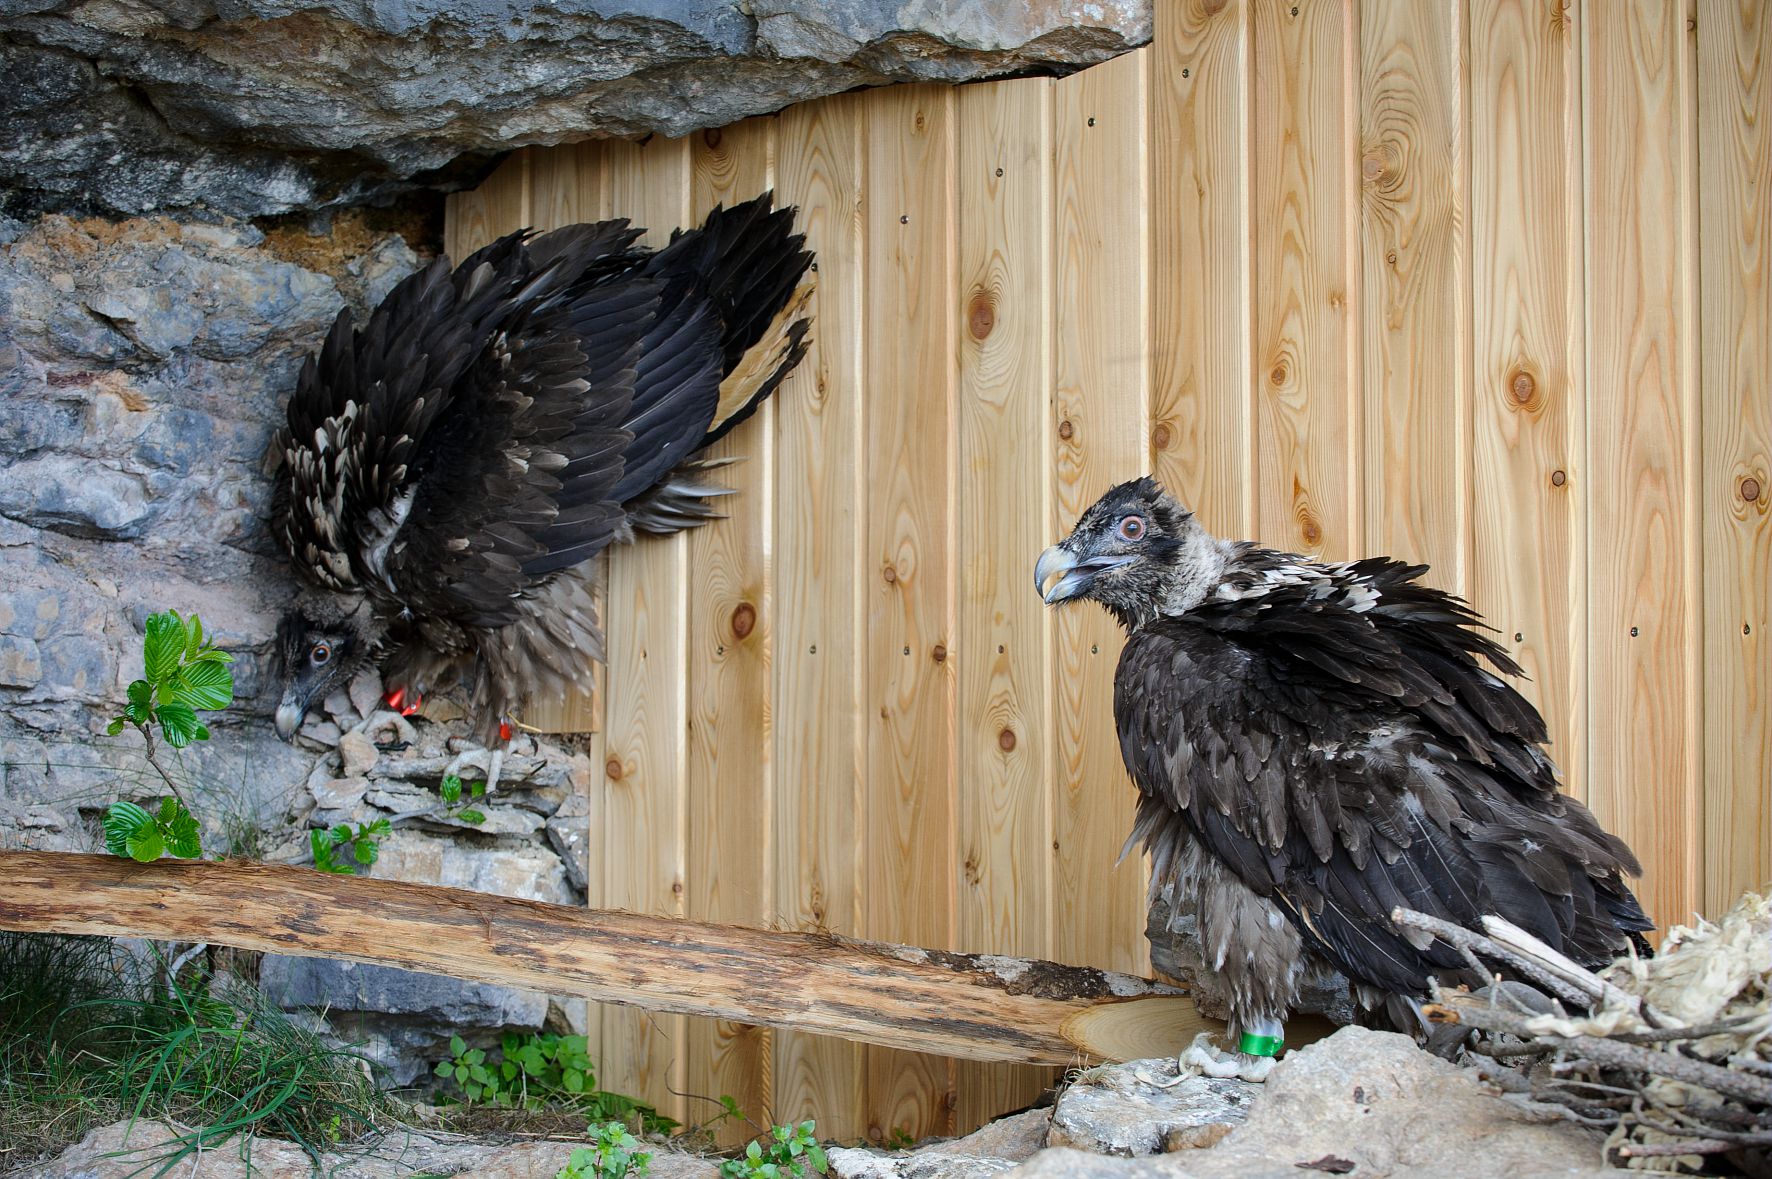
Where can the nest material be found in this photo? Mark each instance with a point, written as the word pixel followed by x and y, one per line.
pixel 1672 1055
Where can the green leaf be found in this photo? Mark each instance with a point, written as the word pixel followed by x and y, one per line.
pixel 146 843
pixel 451 790
pixel 179 724
pixel 193 636
pixel 472 816
pixel 815 1154
pixel 141 693
pixel 164 645
pixel 444 1069
pixel 457 1046
pixel 115 727
pixel 208 686
pixel 476 1056
pixel 139 714
pixel 122 820
pixel 365 851
pixel 379 827
pixel 573 1080
pixel 476 789
pixel 186 842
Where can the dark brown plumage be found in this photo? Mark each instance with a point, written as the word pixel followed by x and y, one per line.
pixel 1316 744
pixel 450 469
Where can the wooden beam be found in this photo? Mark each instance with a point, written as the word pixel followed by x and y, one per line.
pixel 979 1007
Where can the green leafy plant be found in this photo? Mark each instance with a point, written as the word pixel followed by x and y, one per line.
pixel 789 1151
pixel 346 850
pixel 451 791
pixel 540 1071
pixel 182 674
pixel 613 1153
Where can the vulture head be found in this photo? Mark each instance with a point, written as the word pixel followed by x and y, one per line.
pixel 1136 551
pixel 321 643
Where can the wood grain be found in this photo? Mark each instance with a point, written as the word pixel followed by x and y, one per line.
pixel 1306 279
pixel 1099 412
pixel 1414 287
pixel 644 853
pixel 1643 774
pixel 1735 314
pixel 821 473
pixel 1003 668
pixel 731 768
pixel 1202 442
pixel 981 1008
pixel 498 206
pixel 1529 475
pixel 909 702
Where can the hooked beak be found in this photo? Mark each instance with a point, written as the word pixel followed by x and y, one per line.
pixel 1076 573
pixel 289 714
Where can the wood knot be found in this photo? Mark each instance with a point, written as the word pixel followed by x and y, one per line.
pixel 1372 166
pixel 1161 436
pixel 981 316
pixel 613 768
pixel 939 654
pixel 1006 740
pixel 1313 533
pixel 889 574
pixel 1279 374
pixel 1558 478
pixel 744 620
pixel 711 137
pixel 1750 490
pixel 1214 7
pixel 1065 429
pixel 920 122
pixel 676 888
pixel 1523 392
pixel 973 875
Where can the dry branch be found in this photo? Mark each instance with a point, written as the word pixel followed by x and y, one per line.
pixel 977 1007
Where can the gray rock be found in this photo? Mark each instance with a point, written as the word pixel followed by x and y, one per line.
pixel 357 753
pixel 62 493
pixel 854 1163
pixel 1114 1110
pixel 1378 1104
pixel 21 663
pixel 246 107
pixel 1016 1137
pixel 352 986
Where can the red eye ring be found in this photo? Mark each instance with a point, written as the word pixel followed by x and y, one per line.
pixel 1132 528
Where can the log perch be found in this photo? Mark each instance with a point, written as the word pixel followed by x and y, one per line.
pixel 977 1007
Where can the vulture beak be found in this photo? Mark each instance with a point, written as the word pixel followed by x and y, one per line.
pixel 289 714
pixel 1076 572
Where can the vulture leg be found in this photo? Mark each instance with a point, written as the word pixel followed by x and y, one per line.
pixel 489 759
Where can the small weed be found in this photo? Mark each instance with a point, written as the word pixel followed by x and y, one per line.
pixel 451 791
pixel 347 850
pixel 539 1071
pixel 789 1151
pixel 613 1153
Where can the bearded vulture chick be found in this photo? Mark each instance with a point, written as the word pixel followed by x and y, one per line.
pixel 450 469
pixel 1317 744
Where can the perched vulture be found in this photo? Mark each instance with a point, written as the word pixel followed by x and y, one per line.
pixel 451 468
pixel 1315 745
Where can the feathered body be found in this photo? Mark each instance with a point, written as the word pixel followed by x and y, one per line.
pixel 451 468
pixel 1316 744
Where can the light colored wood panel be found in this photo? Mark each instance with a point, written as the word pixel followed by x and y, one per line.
pixel 1305 278
pixel 1099 406
pixel 1735 232
pixel 1414 286
pixel 498 206
pixel 644 846
pixel 908 290
pixel 1201 401
pixel 1004 191
pixel 821 472
pixel 1528 415
pixel 569 185
pixel 731 767
pixel 1643 773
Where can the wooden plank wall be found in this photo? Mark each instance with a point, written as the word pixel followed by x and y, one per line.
pixel 1484 283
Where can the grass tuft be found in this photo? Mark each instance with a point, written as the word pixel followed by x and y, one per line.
pixel 90 1034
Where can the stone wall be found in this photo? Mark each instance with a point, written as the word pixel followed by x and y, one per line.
pixel 143 367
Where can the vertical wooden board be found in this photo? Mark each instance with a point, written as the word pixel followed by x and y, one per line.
pixel 821 476
pixel 1735 232
pixel 499 206
pixel 1414 288
pixel 1099 405
pixel 730 772
pixel 1643 760
pixel 908 290
pixel 1528 478
pixel 644 854
pixel 569 185
pixel 1004 186
pixel 1201 439
pixel 1306 446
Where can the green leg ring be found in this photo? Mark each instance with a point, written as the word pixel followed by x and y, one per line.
pixel 1251 1044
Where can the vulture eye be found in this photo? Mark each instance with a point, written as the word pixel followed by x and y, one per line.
pixel 1132 528
pixel 320 654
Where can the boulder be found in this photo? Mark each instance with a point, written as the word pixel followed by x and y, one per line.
pixel 1126 1110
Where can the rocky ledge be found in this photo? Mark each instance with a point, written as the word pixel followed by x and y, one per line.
pixel 253 107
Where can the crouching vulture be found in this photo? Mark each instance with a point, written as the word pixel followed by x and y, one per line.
pixel 450 469
pixel 1316 744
